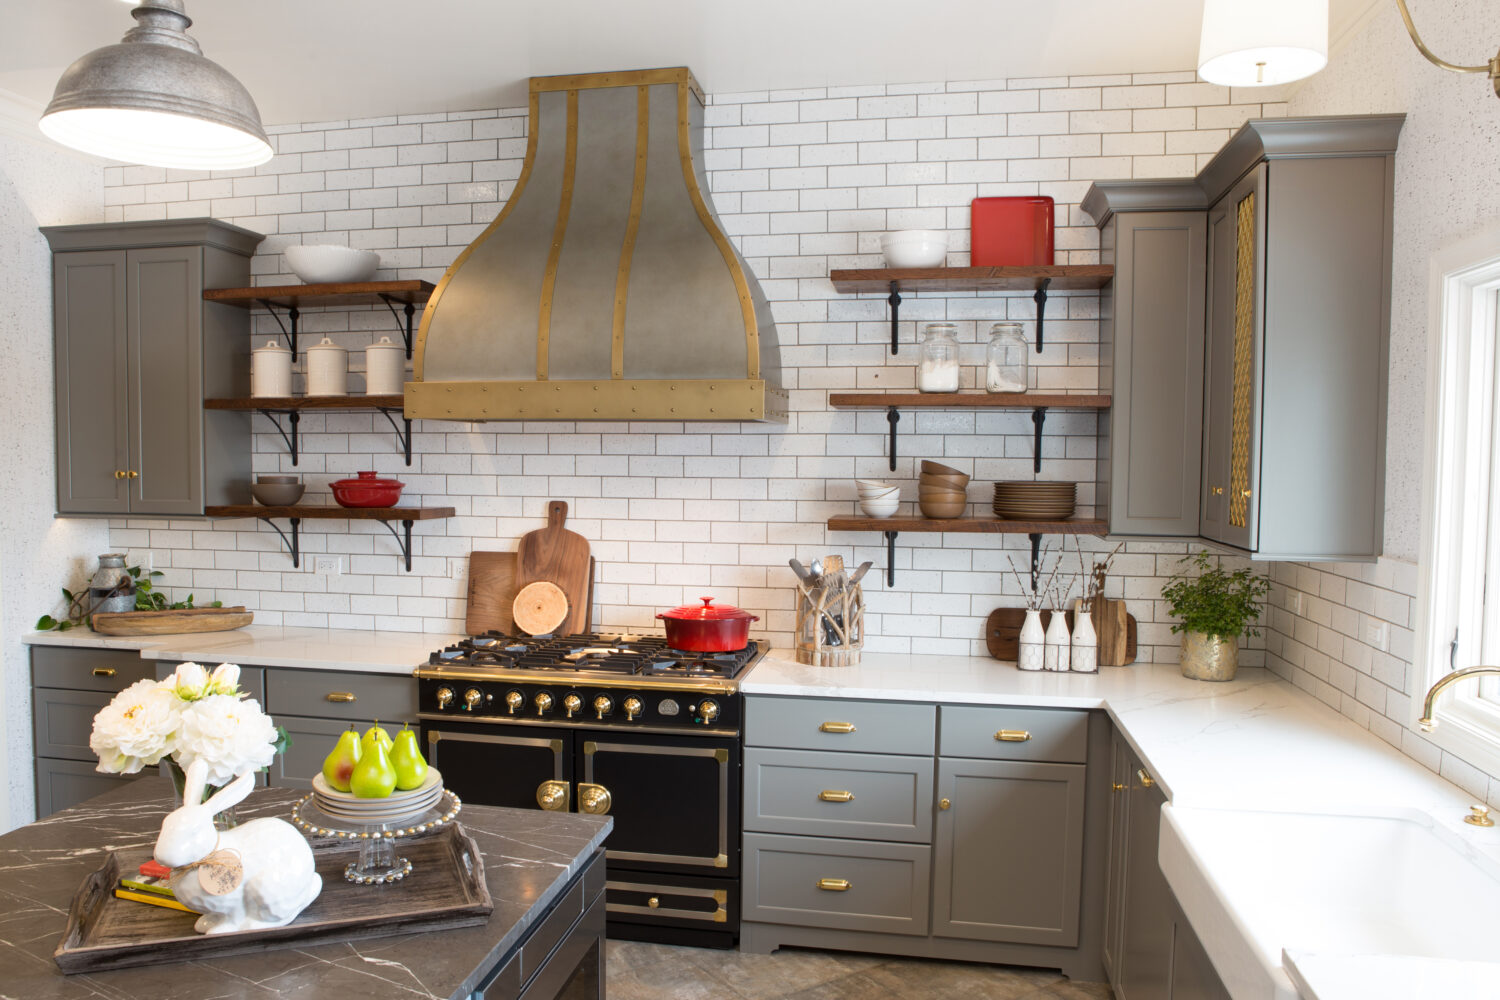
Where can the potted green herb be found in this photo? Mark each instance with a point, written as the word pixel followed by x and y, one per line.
pixel 1215 609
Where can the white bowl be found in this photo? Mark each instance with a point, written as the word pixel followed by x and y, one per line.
pixel 881 483
pixel 327 262
pixel 879 494
pixel 915 248
pixel 879 508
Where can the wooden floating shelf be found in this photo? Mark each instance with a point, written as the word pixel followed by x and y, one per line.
pixel 326 513
pixel 1056 277
pixel 359 402
pixel 957 400
pixel 981 525
pixel 410 292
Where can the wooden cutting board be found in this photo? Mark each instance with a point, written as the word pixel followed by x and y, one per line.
pixel 556 555
pixel 1002 635
pixel 492 591
pixel 172 622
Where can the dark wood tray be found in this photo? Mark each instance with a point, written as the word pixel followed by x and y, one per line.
pixel 445 889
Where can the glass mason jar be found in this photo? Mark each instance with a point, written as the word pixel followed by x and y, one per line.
pixel 1005 359
pixel 937 358
pixel 112 588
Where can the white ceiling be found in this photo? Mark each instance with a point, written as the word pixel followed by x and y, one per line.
pixel 319 60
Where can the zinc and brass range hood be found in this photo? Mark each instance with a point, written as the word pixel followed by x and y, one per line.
pixel 606 288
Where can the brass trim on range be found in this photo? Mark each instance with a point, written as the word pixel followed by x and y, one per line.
pixel 434 736
pixel 1244 347
pixel 718 754
pixel 603 399
pixel 593 799
pixel 519 720
pixel 653 904
pixel 836 727
pixel 1013 735
pixel 835 795
pixel 627 78
pixel 559 233
pixel 835 884
pixel 632 227
pixel 553 796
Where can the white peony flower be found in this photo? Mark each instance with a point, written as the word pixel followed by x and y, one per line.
pixel 225 679
pixel 136 729
pixel 228 734
pixel 189 682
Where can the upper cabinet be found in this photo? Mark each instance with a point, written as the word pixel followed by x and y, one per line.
pixel 137 350
pixel 1246 339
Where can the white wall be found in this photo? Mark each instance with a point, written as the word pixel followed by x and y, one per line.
pixel 39 185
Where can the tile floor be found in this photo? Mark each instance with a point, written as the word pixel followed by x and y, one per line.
pixel 639 971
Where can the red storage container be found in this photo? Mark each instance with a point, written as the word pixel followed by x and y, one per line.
pixel 1015 232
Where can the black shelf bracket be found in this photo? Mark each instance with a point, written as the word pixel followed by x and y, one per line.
pixel 293 418
pixel 290 543
pixel 290 336
pixel 410 310
pixel 895 300
pixel 1038 418
pixel 893 417
pixel 1036 558
pixel 1040 298
pixel 405 545
pixel 403 436
pixel 890 558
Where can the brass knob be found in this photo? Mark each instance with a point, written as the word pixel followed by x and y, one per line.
pixel 1245 493
pixel 132 474
pixel 472 698
pixel 1479 816
pixel 1145 779
pixel 653 902
pixel 593 799
pixel 945 803
pixel 602 705
pixel 632 707
pixel 119 473
pixel 513 701
pixel 709 710
pixel 339 697
pixel 444 697
pixel 1116 787
pixel 552 796
pixel 543 702
pixel 572 703
pixel 1217 491
pixel 103 671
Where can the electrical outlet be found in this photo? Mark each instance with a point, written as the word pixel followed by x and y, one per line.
pixel 326 565
pixel 1294 601
pixel 1377 634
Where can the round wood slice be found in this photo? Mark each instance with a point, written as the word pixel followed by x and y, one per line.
pixel 540 607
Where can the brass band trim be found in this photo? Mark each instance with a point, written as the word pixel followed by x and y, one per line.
pixel 719 896
pixel 680 75
pixel 559 232
pixel 632 227
pixel 597 399
pixel 419 349
pixel 737 273
pixel 1244 335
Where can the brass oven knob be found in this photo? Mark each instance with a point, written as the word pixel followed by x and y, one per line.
pixel 654 902
pixel 472 698
pixel 514 701
pixel 632 708
pixel 444 697
pixel 553 796
pixel 602 705
pixel 709 709
pixel 572 703
pixel 543 703
pixel 593 799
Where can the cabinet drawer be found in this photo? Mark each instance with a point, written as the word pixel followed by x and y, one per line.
pixel 839 724
pixel 88 669
pixel 64 783
pixel 874 797
pixel 1028 733
pixel 61 721
pixel 870 886
pixel 339 694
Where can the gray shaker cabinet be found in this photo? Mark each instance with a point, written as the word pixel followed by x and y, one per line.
pixel 137 350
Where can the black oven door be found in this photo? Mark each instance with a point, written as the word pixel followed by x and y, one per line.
pixel 522 767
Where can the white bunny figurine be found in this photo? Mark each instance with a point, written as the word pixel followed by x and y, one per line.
pixel 264 868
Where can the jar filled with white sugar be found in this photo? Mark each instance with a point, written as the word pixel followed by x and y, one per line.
pixel 937 358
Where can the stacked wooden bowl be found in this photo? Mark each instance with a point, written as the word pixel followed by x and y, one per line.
pixel 1034 501
pixel 941 491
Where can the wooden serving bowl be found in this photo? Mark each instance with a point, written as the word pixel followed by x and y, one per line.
pixel 938 469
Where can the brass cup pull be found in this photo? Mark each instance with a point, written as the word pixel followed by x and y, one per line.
pixel 830 795
pixel 945 804
pixel 836 727
pixel 593 799
pixel 834 884
pixel 1013 735
pixel 1145 779
pixel 552 796
pixel 346 697
pixel 104 671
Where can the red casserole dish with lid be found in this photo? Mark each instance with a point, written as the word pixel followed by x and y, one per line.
pixel 712 628
pixel 369 490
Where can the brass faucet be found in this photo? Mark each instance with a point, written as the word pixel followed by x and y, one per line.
pixel 1427 722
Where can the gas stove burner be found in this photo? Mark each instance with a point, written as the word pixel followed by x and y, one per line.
pixel 603 654
pixel 592 653
pixel 622 637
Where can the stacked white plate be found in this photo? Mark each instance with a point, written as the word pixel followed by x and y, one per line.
pixel 396 808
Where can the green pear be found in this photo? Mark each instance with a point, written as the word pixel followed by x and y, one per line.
pixel 406 758
pixel 339 763
pixel 376 732
pixel 373 776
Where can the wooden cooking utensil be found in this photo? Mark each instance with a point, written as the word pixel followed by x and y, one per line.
pixel 540 608
pixel 1002 635
pixel 558 556
pixel 492 592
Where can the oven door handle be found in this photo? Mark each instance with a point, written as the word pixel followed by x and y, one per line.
pixel 594 799
pixel 553 796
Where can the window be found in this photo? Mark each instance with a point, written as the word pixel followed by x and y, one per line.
pixel 1459 608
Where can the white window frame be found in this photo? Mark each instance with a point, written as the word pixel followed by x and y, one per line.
pixel 1461 500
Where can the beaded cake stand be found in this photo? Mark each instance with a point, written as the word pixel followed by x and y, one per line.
pixel 377 863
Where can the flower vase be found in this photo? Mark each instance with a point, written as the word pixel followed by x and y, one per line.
pixel 1032 640
pixel 1085 656
pixel 1055 653
pixel 225 820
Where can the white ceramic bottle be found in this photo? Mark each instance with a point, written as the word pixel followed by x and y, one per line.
pixel 1033 639
pixel 1085 654
pixel 1055 655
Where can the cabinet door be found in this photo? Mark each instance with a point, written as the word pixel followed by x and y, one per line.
pixel 312 739
pixel 64 783
pixel 1193 973
pixel 1232 366
pixel 1009 851
pixel 165 369
pixel 1145 960
pixel 88 306
pixel 1157 375
pixel 1120 775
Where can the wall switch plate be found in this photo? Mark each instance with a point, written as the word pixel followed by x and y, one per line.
pixel 1378 634
pixel 326 565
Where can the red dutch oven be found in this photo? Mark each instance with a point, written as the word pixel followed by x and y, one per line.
pixel 709 629
pixel 368 490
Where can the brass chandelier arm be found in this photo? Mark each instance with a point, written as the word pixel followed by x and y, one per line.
pixel 1491 68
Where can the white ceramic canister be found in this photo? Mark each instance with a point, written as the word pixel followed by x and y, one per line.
pixel 1055 653
pixel 327 369
pixel 271 370
pixel 385 368
pixel 1085 654
pixel 1029 651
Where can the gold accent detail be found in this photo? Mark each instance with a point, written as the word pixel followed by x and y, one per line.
pixel 472 698
pixel 834 884
pixel 565 678
pixel 632 227
pixel 632 708
pixel 444 697
pixel 119 473
pixel 1145 779
pixel 552 796
pixel 572 703
pixel 721 755
pixel 555 745
pixel 1479 816
pixel 600 399
pixel 1217 491
pixel 709 710
pixel 653 902
pixel 1013 735
pixel 1244 350
pixel 543 702
pixel 132 474
pixel 721 897
pixel 419 349
pixel 836 727
pixel 514 700
pixel 830 795
pixel 945 804
pixel 1427 722
pixel 559 232
pixel 1117 787
pixel 726 249
pixel 720 915
pixel 590 748
pixel 602 704
pixel 629 78
pixel 103 671
pixel 345 697
pixel 721 861
pixel 594 799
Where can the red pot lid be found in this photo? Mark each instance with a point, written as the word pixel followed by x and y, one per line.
pixel 708 613
pixel 368 479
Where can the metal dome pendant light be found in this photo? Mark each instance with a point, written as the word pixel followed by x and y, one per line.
pixel 154 99
pixel 1261 43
